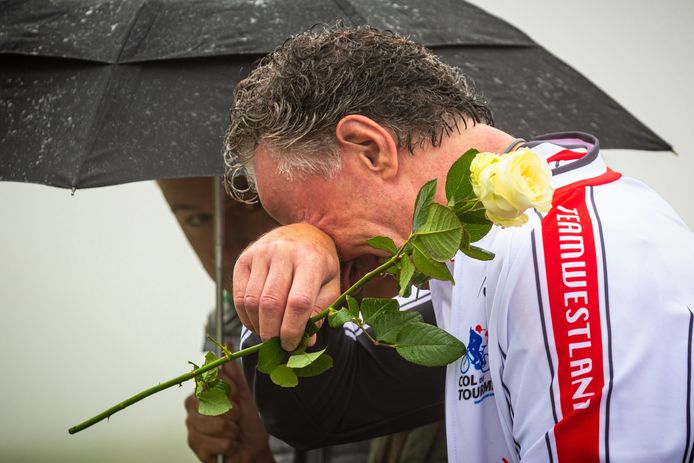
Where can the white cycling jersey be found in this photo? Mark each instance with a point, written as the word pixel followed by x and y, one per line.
pixel 579 331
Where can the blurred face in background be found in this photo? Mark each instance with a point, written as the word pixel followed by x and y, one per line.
pixel 191 201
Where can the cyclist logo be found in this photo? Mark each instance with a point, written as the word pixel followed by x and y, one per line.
pixel 475 384
pixel 477 355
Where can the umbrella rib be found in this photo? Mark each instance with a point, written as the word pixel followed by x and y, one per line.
pixel 130 30
pixel 350 11
pixel 94 128
pixel 99 116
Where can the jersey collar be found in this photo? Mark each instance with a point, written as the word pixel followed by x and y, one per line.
pixel 574 158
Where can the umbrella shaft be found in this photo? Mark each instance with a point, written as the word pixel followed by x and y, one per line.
pixel 219 264
pixel 219 257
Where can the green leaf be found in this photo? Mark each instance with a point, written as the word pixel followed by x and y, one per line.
pixel 223 385
pixel 209 358
pixel 320 365
pixel 478 230
pixel 478 253
pixel 200 386
pixel 406 272
pixel 303 359
pixel 284 376
pixel 270 355
pixel 424 199
pixel 465 241
pixel 429 267
pixel 388 325
pixel 383 243
pixel 215 400
pixel 353 306
pixel 340 317
pixel 464 206
pixel 209 375
pixel 420 279
pixel 428 345
pixel 406 291
pixel 439 237
pixel 468 216
pixel 458 186
pixel 372 308
pixel 476 223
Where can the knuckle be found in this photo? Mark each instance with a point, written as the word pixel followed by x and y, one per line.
pixel 244 258
pixel 270 302
pixel 239 301
pixel 299 302
pixel 310 256
pixel 323 266
pixel 250 301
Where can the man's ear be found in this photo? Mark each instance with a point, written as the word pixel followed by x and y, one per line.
pixel 369 143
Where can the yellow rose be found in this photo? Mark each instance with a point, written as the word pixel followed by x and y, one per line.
pixel 478 168
pixel 511 183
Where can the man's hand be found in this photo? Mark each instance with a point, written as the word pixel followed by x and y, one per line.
pixel 284 278
pixel 239 434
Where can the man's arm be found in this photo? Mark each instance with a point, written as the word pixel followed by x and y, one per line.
pixel 370 391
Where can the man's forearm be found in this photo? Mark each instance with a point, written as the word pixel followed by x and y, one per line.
pixel 370 391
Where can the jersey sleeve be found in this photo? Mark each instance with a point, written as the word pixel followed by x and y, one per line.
pixel 370 391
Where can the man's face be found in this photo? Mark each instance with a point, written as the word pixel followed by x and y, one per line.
pixel 349 208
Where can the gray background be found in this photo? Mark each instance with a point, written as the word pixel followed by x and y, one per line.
pixel 100 295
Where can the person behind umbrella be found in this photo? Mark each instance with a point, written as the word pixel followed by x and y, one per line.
pixel 239 435
pixel 239 432
pixel 582 323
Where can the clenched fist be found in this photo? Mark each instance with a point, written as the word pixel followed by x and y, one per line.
pixel 280 281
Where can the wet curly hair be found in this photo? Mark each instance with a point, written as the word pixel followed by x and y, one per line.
pixel 296 95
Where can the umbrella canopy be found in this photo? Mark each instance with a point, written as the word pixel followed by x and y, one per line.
pixel 96 93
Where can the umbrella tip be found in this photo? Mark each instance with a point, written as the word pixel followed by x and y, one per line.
pixel 72 192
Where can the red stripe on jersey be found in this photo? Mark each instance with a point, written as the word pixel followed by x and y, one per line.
pixel 573 292
pixel 566 155
pixel 561 192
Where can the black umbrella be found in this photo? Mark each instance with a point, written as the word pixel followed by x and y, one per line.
pixel 96 93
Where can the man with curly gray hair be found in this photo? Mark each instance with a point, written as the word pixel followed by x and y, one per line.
pixel 338 129
pixel 297 95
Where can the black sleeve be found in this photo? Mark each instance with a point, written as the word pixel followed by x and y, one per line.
pixel 370 391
